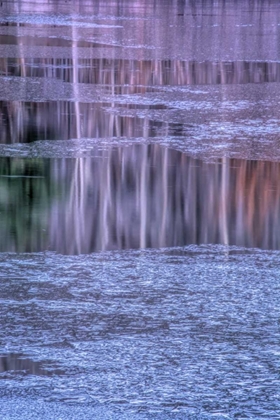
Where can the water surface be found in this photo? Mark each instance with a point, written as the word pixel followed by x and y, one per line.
pixel 139 209
pixel 192 331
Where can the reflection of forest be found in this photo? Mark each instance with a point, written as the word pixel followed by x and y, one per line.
pixel 139 76
pixel 149 196
pixel 134 54
pixel 139 196
pixel 65 119
pixel 142 195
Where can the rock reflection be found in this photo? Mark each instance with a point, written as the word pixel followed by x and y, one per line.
pixel 137 197
pixel 19 363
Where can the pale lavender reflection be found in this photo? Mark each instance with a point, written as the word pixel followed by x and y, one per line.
pixel 98 96
pixel 150 196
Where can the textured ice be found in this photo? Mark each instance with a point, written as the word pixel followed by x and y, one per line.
pixel 209 31
pixel 191 330
pixel 199 146
pixel 37 19
pixel 208 123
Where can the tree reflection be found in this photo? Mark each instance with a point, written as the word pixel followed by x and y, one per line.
pixel 79 74
pixel 26 193
pixel 149 196
pixel 136 197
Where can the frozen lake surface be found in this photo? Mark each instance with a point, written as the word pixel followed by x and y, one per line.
pixel 191 330
pixel 139 210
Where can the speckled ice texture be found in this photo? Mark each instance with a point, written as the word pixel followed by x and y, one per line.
pixel 192 331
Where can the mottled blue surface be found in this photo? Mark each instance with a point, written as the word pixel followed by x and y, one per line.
pixel 193 331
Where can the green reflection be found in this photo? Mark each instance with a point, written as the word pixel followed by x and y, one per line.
pixel 26 193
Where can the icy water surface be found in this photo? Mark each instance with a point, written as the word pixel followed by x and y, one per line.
pixel 183 330
pixel 139 209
